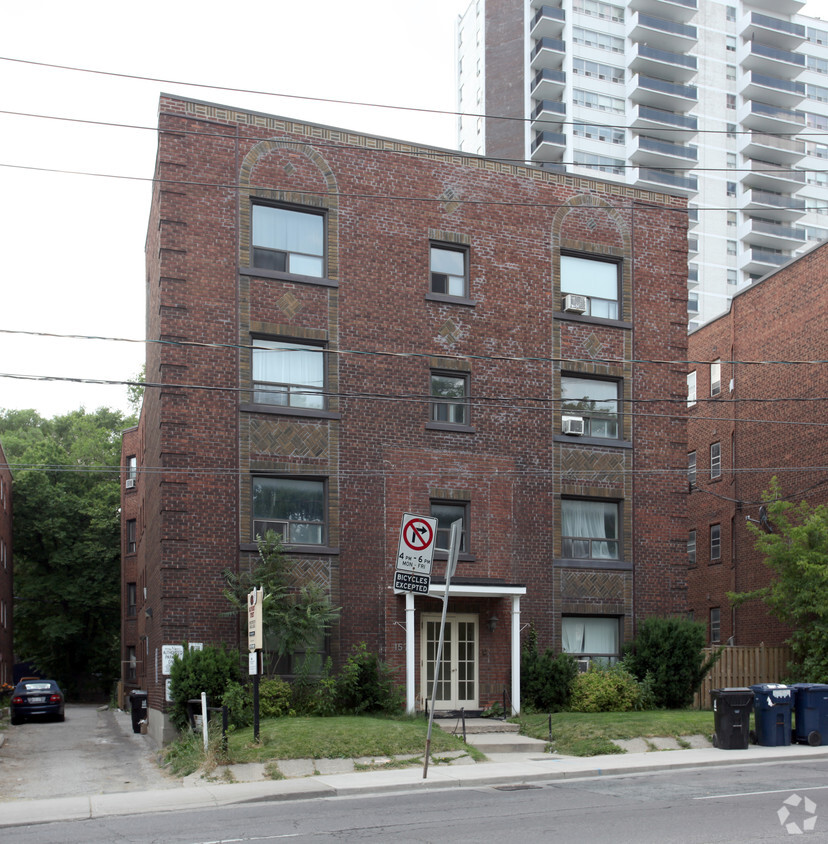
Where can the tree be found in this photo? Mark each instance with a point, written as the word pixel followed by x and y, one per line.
pixel 793 540
pixel 67 542
pixel 294 615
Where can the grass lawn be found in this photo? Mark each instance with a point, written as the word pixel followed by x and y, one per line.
pixel 590 734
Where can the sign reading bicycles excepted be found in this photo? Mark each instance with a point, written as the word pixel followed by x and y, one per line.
pixel 416 549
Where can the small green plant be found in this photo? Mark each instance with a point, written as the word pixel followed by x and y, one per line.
pixel 274 698
pixel 209 670
pixel 366 684
pixel 239 701
pixel 545 679
pixel 601 689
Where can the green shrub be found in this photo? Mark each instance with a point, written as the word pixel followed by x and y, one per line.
pixel 545 679
pixel 239 700
pixel 670 650
pixel 604 690
pixel 366 684
pixel 209 670
pixel 274 698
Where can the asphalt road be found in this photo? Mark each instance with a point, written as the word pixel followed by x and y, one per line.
pixel 731 805
pixel 88 753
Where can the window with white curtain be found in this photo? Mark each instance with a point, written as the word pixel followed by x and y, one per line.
pixel 595 279
pixel 288 374
pixel 590 530
pixel 288 240
pixel 595 637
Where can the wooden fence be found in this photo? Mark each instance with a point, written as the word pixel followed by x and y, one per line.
pixel 743 666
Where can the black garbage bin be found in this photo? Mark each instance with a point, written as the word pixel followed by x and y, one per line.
pixel 731 712
pixel 772 705
pixel 811 711
pixel 138 706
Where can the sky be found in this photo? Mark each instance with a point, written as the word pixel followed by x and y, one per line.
pixel 72 243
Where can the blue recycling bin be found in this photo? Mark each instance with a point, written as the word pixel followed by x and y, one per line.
pixel 772 706
pixel 731 714
pixel 811 713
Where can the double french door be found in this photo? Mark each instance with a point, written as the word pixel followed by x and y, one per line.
pixel 458 684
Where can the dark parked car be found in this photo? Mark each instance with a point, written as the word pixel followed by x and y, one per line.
pixel 32 698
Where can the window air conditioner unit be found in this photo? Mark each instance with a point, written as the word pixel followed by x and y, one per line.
pixel 573 425
pixel 130 483
pixel 583 665
pixel 575 304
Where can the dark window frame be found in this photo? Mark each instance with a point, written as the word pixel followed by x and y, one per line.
pixel 587 415
pixel 601 259
pixel 292 387
pixel 715 460
pixel 437 402
pixel 274 523
pixel 131 599
pixel 715 543
pixel 255 203
pixel 568 546
pixel 691 547
pixel 131 536
pixel 463 250
pixel 691 468
pixel 445 533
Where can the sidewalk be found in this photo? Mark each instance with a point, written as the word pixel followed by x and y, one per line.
pixel 525 768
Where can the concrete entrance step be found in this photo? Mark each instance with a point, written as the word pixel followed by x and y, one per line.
pixel 492 737
pixel 475 726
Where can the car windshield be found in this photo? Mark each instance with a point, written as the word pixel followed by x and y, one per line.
pixel 38 687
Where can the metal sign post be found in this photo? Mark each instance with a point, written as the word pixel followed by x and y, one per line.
pixel 451 566
pixel 255 599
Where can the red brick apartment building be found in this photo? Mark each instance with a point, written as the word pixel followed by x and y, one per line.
pixel 6 574
pixel 748 423
pixel 348 328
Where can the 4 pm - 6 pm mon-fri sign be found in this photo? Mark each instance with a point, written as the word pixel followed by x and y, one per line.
pixel 415 554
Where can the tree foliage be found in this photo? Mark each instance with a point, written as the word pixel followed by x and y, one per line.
pixel 793 541
pixel 66 542
pixel 545 679
pixel 294 615
pixel 670 651
pixel 210 670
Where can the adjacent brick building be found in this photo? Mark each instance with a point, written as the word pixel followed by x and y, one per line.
pixel 6 574
pixel 347 328
pixel 748 423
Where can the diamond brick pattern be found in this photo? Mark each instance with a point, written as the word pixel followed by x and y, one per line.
pixel 585 465
pixel 289 305
pixel 600 585
pixel 287 438
pixel 449 332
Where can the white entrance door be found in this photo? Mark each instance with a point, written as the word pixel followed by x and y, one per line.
pixel 458 672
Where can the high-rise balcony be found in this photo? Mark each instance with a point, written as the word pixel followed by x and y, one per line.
pixel 537 4
pixel 666 181
pixel 773 206
pixel 772 90
pixel 647 90
pixel 769 118
pixel 660 33
pixel 778 7
pixel 764 58
pixel 666 125
pixel 655 152
pixel 548 146
pixel 664 64
pixel 766 175
pixel 548 52
pixel 547 115
pixel 774 148
pixel 676 10
pixel 548 84
pixel 548 22
pixel 770 30
pixel 763 260
pixel 756 232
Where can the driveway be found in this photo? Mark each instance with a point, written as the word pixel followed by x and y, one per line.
pixel 94 751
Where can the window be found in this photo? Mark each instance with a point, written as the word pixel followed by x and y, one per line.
pixel 131 663
pixel 132 468
pixel 597 280
pixel 691 388
pixel 732 277
pixel 450 398
pixel 715 460
pixel 594 637
pixel 715 542
pixel 730 43
pixel 448 271
pixel 730 13
pixel 604 72
pixel 691 468
pixel 447 512
pixel 715 625
pixel 731 100
pixel 601 102
pixel 589 530
pixel 593 400
pixel 716 377
pixel 731 219
pixel 132 599
pixel 594 132
pixel 131 543
pixel 731 160
pixel 731 188
pixel 599 40
pixel 288 240
pixel 731 131
pixel 691 548
pixel 731 247
pixel 288 374
pixel 294 508
pixel 599 162
pixel 730 72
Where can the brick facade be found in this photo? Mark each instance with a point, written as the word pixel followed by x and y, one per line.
pixel 6 575
pixel 766 424
pixel 203 437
